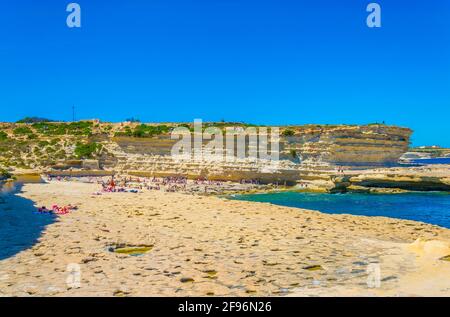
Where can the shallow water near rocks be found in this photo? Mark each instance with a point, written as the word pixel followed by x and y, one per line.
pixel 433 208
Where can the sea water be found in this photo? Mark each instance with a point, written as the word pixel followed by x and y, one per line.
pixel 433 208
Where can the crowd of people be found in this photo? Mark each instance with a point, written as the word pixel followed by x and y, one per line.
pixel 250 181
pixel 112 184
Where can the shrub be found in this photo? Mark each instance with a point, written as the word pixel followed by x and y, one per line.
pixel 4 173
pixel 49 149
pixel 143 131
pixel 293 153
pixel 43 143
pixel 3 136
pixel 288 132
pixel 73 128
pixel 87 150
pixel 22 131
pixel 127 132
pixel 50 128
pixel 149 130
pixel 4 149
pixel 80 128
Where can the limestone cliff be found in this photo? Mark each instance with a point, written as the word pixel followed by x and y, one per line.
pixel 153 158
pixel 317 147
pixel 432 178
pixel 354 146
pixel 380 180
pixel 145 150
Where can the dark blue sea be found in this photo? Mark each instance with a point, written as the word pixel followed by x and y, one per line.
pixel 438 160
pixel 433 208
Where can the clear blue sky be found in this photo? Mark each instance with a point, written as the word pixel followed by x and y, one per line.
pixel 258 61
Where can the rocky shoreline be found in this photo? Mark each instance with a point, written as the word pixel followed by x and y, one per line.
pixel 380 180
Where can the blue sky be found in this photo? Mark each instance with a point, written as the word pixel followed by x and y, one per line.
pixel 268 62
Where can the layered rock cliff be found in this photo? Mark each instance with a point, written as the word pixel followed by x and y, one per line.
pixel 429 178
pixel 353 146
pixel 379 180
pixel 144 158
pixel 316 147
pixel 146 150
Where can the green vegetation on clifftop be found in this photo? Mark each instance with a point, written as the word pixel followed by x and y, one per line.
pixel 3 136
pixel 82 128
pixel 87 150
pixel 143 131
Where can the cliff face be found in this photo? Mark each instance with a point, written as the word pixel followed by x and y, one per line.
pixel 153 158
pixel 379 180
pixel 146 150
pixel 316 147
pixel 354 146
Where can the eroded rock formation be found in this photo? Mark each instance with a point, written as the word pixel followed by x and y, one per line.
pixel 354 146
pixel 307 148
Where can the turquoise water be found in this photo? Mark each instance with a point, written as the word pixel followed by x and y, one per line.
pixel 432 208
